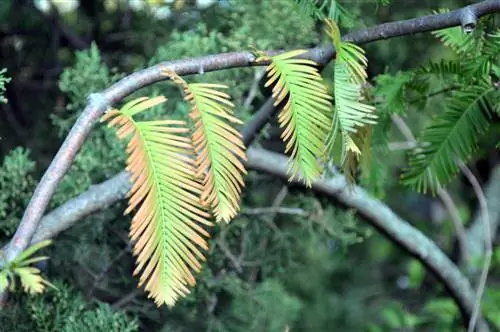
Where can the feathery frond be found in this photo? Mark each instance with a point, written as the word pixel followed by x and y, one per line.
pixel 305 114
pixel 443 69
pixel 31 280
pixel 492 44
pixel 391 92
pixel 453 135
pixel 456 39
pixel 219 147
pixel 350 76
pixel 166 228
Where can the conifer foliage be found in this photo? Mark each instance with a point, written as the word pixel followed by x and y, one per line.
pixel 305 115
pixel 167 228
pixel 186 174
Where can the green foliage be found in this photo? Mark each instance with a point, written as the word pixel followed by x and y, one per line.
pixel 451 136
pixel 390 91
pixel 294 270
pixel 473 98
pixel 238 27
pixel 64 310
pixel 351 115
pixel 333 10
pixel 16 186
pixel 3 81
pixel 267 308
pixel 322 9
pixel 305 115
pixel 30 278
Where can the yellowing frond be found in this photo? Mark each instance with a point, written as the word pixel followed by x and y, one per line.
pixel 31 280
pixel 167 227
pixel 305 114
pixel 219 147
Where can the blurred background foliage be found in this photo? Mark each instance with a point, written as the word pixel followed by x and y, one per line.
pixel 313 267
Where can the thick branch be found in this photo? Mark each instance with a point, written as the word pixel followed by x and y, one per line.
pixel 375 212
pixel 385 220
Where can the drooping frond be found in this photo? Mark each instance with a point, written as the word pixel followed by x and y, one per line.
pixel 350 75
pixel 451 136
pixel 167 227
pixel 305 114
pixel 219 147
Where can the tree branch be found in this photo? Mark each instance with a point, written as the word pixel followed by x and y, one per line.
pixel 386 221
pixel 442 193
pixel 98 103
pixel 475 235
pixel 487 241
pixel 378 214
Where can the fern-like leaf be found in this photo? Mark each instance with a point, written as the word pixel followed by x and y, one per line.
pixel 219 147
pixel 492 44
pixel 391 91
pixel 166 228
pixel 31 280
pixel 443 69
pixel 452 136
pixel 350 112
pixel 305 114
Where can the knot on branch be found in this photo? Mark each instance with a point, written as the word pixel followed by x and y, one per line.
pixel 468 19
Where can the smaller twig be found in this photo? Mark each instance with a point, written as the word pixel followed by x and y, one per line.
pixel 395 146
pixel 404 129
pixel 278 200
pixel 221 242
pixel 258 74
pixel 105 271
pixel 487 242
pixel 86 269
pixel 434 93
pixel 457 223
pixel 280 210
pixel 443 195
pixel 127 298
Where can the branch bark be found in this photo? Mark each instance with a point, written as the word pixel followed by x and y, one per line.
pixel 98 103
pixel 475 235
pixel 372 210
pixel 387 222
